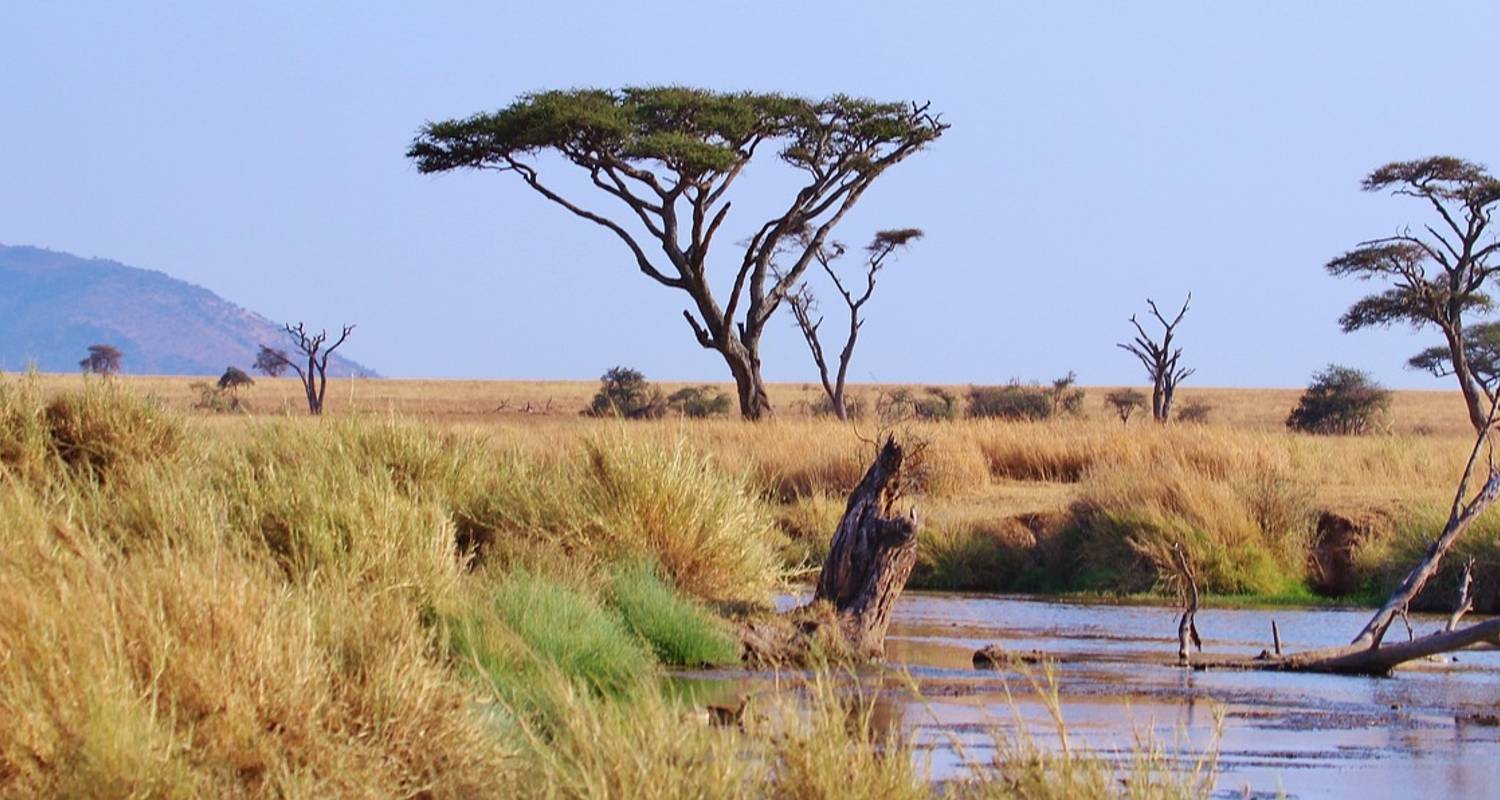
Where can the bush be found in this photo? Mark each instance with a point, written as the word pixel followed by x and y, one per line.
pixel 854 407
pixel 1194 411
pixel 624 392
pixel 1018 401
pixel 937 404
pixel 698 402
pixel 1340 400
pixel 1126 402
pixel 217 399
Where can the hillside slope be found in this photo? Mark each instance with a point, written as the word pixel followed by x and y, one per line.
pixel 54 305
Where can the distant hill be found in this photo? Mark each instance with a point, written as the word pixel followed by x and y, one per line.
pixel 54 305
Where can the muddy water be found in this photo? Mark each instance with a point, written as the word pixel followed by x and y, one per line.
pixel 1411 736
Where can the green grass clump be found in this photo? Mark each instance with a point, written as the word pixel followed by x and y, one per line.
pixel 566 628
pixel 679 632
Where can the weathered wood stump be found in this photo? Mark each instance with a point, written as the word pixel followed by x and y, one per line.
pixel 874 549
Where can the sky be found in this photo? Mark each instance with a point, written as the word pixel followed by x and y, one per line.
pixel 1099 154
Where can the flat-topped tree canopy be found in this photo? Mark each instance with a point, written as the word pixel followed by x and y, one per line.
pixel 1439 273
pixel 669 154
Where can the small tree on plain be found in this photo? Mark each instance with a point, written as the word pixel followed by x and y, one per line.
pixel 103 359
pixel 803 303
pixel 625 392
pixel 1161 360
pixel 233 378
pixel 1125 402
pixel 272 361
pixel 314 348
pixel 1340 400
pixel 1460 243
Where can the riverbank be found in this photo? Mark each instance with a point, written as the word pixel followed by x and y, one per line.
pixel 371 607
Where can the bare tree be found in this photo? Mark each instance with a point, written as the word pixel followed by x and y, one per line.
pixel 103 359
pixel 1161 360
pixel 669 155
pixel 272 361
pixel 1462 245
pixel 803 303
pixel 314 375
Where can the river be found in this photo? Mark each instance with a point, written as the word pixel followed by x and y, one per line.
pixel 1430 731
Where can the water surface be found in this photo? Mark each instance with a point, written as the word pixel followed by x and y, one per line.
pixel 1412 736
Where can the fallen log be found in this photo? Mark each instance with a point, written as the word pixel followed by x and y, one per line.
pixel 873 551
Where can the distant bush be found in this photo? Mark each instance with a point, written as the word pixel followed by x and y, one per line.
pixel 1194 411
pixel 1018 401
pixel 1126 402
pixel 854 407
pixel 624 392
pixel 699 402
pixel 934 404
pixel 216 399
pixel 1340 400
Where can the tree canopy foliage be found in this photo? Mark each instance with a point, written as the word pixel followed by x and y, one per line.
pixel 1439 274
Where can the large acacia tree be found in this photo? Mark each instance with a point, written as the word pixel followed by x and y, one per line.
pixel 1436 275
pixel 667 157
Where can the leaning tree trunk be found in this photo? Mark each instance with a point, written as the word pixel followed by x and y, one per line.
pixel 872 555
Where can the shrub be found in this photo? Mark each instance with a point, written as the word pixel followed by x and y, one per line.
pixel 624 392
pixel 1126 402
pixel 1197 411
pixel 698 402
pixel 935 404
pixel 1018 401
pixel 679 632
pixel 854 407
pixel 1340 400
pixel 216 398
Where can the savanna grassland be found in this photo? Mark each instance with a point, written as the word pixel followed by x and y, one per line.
pixel 420 595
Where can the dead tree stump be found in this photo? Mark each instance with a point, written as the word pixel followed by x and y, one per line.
pixel 872 556
pixel 874 549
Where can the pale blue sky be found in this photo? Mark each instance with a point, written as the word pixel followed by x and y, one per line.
pixel 1100 152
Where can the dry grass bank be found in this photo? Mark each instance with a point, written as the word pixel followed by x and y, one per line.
pixel 348 607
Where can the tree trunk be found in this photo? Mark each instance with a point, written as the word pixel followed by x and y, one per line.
pixel 871 557
pixel 1156 401
pixel 744 364
pixel 1474 399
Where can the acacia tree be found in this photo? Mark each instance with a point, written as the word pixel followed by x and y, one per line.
pixel 804 303
pixel 272 361
pixel 1460 244
pixel 669 156
pixel 1161 360
pixel 314 375
pixel 103 359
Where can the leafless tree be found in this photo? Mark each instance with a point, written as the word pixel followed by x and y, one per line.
pixel 103 359
pixel 1160 358
pixel 314 375
pixel 804 304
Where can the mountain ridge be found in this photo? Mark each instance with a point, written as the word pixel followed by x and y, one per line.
pixel 54 304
